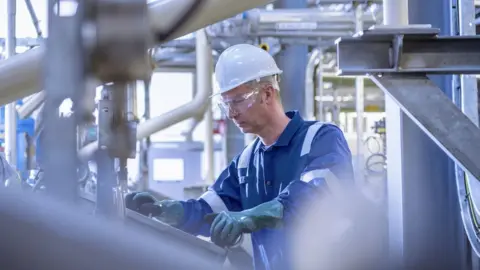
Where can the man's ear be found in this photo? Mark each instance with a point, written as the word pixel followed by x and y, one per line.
pixel 269 94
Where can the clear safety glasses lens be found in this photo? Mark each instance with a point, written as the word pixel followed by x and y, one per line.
pixel 237 105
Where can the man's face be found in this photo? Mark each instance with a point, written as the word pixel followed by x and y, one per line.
pixel 242 105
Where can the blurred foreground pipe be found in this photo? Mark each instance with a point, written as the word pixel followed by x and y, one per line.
pixel 39 233
pixel 21 75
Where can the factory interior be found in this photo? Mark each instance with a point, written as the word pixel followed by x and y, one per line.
pixel 104 98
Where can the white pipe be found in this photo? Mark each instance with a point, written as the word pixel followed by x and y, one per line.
pixel 310 85
pixel 10 128
pixel 195 107
pixel 320 72
pixel 359 107
pixel 395 13
pixel 165 12
pixel 204 86
pixel 20 76
pixel 30 105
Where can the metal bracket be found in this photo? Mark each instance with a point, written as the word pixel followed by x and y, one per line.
pixel 398 59
pixel 437 115
pixel 417 49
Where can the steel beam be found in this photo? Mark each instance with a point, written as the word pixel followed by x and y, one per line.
pixel 437 115
pixel 407 50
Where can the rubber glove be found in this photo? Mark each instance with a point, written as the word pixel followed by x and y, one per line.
pixel 167 211
pixel 228 226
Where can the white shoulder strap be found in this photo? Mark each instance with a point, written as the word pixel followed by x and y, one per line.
pixel 308 140
pixel 244 159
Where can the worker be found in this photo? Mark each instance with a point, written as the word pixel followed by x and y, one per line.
pixel 266 186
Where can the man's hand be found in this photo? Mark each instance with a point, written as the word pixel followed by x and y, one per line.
pixel 228 226
pixel 167 211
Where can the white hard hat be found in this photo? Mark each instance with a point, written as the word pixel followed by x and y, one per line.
pixel 243 63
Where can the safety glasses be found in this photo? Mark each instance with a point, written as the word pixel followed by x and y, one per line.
pixel 238 104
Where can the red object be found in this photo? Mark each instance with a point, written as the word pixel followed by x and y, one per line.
pixel 219 126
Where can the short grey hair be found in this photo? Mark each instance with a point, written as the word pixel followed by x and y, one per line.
pixel 271 80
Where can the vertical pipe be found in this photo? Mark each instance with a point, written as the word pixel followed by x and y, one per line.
pixel 359 106
pixel 292 59
pixel 34 18
pixel 204 84
pixel 310 84
pixel 395 13
pixel 131 101
pixel 335 108
pixel 10 130
pixel 319 91
pixel 65 67
pixel 466 96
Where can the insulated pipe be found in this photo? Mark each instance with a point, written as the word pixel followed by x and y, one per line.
pixel 310 84
pixel 360 106
pixel 165 12
pixel 395 14
pixel 10 128
pixel 29 106
pixel 197 105
pixel 20 76
pixel 311 15
pixel 319 91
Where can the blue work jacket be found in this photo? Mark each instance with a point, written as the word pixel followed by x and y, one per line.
pixel 290 170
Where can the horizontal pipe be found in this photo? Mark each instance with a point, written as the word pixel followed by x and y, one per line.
pixel 21 75
pixel 261 16
pixel 165 12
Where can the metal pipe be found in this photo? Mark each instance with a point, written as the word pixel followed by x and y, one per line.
pixel 131 101
pixel 319 91
pixel 78 241
pixel 29 106
pixel 164 13
pixel 395 14
pixel 20 76
pixel 35 21
pixel 310 85
pixel 10 121
pixel 204 73
pixel 359 106
pixel 278 16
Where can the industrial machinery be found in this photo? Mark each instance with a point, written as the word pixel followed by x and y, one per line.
pixel 116 45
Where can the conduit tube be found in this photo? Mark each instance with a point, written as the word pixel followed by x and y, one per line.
pixel 21 75
pixel 310 85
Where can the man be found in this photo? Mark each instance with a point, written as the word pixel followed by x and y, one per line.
pixel 266 186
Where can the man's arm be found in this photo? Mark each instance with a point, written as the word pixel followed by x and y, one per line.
pixel 330 163
pixel 223 195
pixel 329 155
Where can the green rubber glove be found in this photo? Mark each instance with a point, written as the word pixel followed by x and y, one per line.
pixel 228 226
pixel 172 212
pixel 167 211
